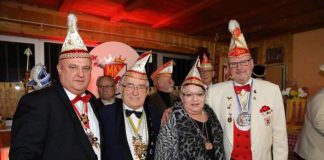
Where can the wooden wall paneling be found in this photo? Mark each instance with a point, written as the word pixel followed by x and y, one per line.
pixel 23 20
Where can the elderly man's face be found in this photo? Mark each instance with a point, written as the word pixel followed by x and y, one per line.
pixel 106 89
pixel 134 91
pixel 206 75
pixel 241 68
pixel 164 84
pixel 74 74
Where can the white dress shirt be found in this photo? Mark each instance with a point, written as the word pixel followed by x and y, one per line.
pixel 93 122
pixel 129 130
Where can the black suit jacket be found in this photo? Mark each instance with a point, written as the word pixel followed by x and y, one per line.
pixel 45 126
pixel 117 100
pixel 115 133
pixel 156 101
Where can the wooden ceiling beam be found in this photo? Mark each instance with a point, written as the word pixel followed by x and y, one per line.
pixel 31 21
pixel 241 16
pixel 128 7
pixel 192 10
pixel 292 20
pixel 65 5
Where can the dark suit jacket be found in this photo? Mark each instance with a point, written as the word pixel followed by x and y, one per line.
pixel 115 133
pixel 45 126
pixel 156 101
pixel 117 100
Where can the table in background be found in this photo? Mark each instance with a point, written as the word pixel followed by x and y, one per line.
pixel 294 131
pixel 295 110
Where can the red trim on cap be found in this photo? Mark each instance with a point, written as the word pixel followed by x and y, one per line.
pixel 237 52
pixel 157 72
pixel 193 80
pixel 75 51
pixel 237 32
pixel 136 74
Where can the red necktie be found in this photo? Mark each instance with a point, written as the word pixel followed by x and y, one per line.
pixel 85 99
pixel 238 89
pixel 83 116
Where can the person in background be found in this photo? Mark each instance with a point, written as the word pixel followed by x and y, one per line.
pixel 310 144
pixel 258 71
pixel 106 90
pixel 163 97
pixel 251 111
pixel 60 121
pixel 206 71
pixel 193 130
pixel 131 128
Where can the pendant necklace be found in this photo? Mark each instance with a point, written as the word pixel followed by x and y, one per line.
pixel 207 143
pixel 140 146
pixel 244 116
pixel 85 124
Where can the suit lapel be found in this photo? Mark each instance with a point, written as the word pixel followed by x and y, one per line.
pixel 76 123
pixel 122 132
pixel 150 128
pixel 230 104
pixel 254 110
pixel 95 107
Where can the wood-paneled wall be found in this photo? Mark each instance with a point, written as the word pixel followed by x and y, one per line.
pixel 31 21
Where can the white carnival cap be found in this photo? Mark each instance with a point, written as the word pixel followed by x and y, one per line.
pixel 193 76
pixel 73 46
pixel 238 45
pixel 138 69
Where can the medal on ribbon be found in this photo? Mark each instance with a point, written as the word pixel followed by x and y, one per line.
pixel 244 119
pixel 139 146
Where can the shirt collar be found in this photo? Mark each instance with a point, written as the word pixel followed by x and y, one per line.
pixel 71 95
pixel 107 102
pixel 126 107
pixel 249 82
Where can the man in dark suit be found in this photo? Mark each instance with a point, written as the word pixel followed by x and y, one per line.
pixel 106 90
pixel 60 122
pixel 163 97
pixel 131 127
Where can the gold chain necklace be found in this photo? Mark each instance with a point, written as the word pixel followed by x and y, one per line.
pixel 207 143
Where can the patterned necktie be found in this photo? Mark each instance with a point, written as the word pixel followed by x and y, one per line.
pixel 130 112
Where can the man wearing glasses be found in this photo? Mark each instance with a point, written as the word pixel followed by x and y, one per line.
pixel 131 127
pixel 250 111
pixel 206 71
pixel 106 90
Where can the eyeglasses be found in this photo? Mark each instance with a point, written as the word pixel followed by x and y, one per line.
pixel 242 63
pixel 192 95
pixel 132 87
pixel 205 71
pixel 106 86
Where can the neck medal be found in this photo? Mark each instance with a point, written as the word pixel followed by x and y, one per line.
pixel 139 147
